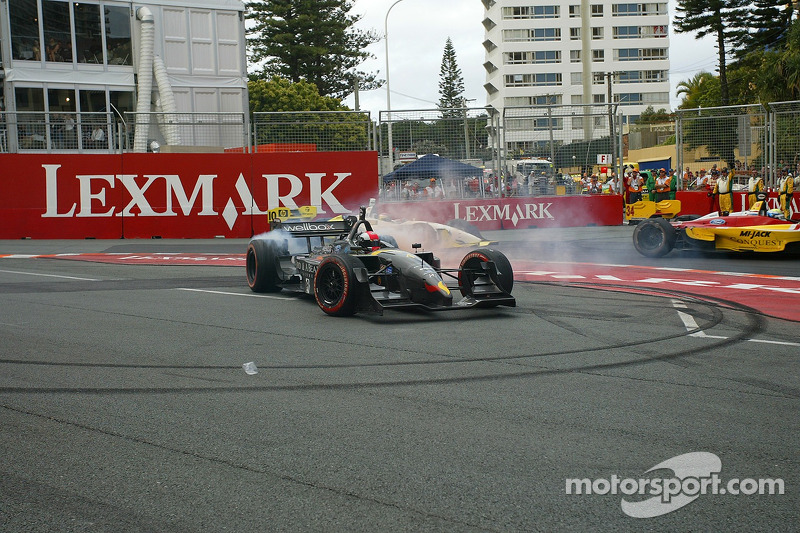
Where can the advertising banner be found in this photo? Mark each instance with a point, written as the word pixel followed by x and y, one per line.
pixel 515 212
pixel 112 196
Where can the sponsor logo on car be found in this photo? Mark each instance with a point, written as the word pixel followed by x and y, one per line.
pixel 751 233
pixel 717 221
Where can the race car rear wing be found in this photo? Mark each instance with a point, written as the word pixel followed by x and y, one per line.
pixel 316 228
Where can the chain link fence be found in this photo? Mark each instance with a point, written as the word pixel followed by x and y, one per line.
pixel 320 131
pixel 186 132
pixel 784 141
pixel 722 138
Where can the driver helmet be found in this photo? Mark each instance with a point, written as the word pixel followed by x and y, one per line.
pixel 369 240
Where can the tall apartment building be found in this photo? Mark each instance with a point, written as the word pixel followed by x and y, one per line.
pixel 83 60
pixel 557 52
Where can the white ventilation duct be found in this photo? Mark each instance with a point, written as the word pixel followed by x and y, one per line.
pixel 167 120
pixel 145 79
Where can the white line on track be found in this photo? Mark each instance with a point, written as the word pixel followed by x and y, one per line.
pixel 47 275
pixel 691 324
pixel 237 294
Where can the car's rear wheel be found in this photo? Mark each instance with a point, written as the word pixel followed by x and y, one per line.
pixel 654 237
pixel 336 288
pixel 470 267
pixel 262 265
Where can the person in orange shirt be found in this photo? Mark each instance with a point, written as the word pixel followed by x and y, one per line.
pixel 635 184
pixel 662 186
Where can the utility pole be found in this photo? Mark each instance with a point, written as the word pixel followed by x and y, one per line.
pixel 611 134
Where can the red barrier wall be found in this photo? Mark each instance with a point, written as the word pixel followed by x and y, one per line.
pixel 76 196
pixel 515 213
pixel 699 203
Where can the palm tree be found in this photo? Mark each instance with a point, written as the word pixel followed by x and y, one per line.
pixel 694 89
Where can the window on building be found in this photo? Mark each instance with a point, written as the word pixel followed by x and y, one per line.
pixel 574 11
pixel 533 80
pixel 654 53
pixel 627 54
pixel 547 56
pixel 599 98
pixel 598 55
pixel 24 22
pixel 574 34
pixel 57 36
pixel 31 127
pixel 63 119
pixel 574 56
pixel 628 10
pixel 531 12
pixel 597 33
pixel 575 78
pixel 576 99
pixel 629 76
pixel 597 10
pixel 118 35
pixel 88 39
pixel 546 34
pixel 654 76
pixel 626 32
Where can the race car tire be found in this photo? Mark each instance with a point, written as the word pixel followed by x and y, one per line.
pixel 472 261
pixel 463 225
pixel 262 266
pixel 654 237
pixel 336 289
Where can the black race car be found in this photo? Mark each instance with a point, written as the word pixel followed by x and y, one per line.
pixel 348 268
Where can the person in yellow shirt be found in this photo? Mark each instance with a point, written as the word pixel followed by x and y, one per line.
pixel 786 192
pixel 723 189
pixel 754 185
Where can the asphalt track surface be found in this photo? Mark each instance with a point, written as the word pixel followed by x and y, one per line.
pixel 125 407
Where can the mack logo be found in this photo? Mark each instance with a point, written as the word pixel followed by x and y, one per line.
pixel 754 233
pixel 310 226
pixel 514 213
pixel 93 202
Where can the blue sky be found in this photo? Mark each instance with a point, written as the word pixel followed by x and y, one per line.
pixel 418 30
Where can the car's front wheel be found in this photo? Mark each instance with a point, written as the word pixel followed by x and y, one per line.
pixel 470 270
pixel 654 237
pixel 336 288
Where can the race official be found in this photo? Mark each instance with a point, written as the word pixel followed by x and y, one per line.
pixel 786 192
pixel 723 189
pixel 754 185
pixel 651 186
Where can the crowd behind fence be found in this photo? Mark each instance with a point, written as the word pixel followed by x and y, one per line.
pixel 753 140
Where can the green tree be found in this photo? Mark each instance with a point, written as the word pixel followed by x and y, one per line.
pixel 311 40
pixel 286 123
pixel 698 91
pixel 651 116
pixel 768 22
pixel 724 19
pixel 451 84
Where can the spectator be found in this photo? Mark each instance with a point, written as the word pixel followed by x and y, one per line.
pixel 594 185
pixel 662 186
pixel 702 180
pixel 635 184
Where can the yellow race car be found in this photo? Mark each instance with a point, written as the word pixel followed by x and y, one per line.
pixel 758 230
